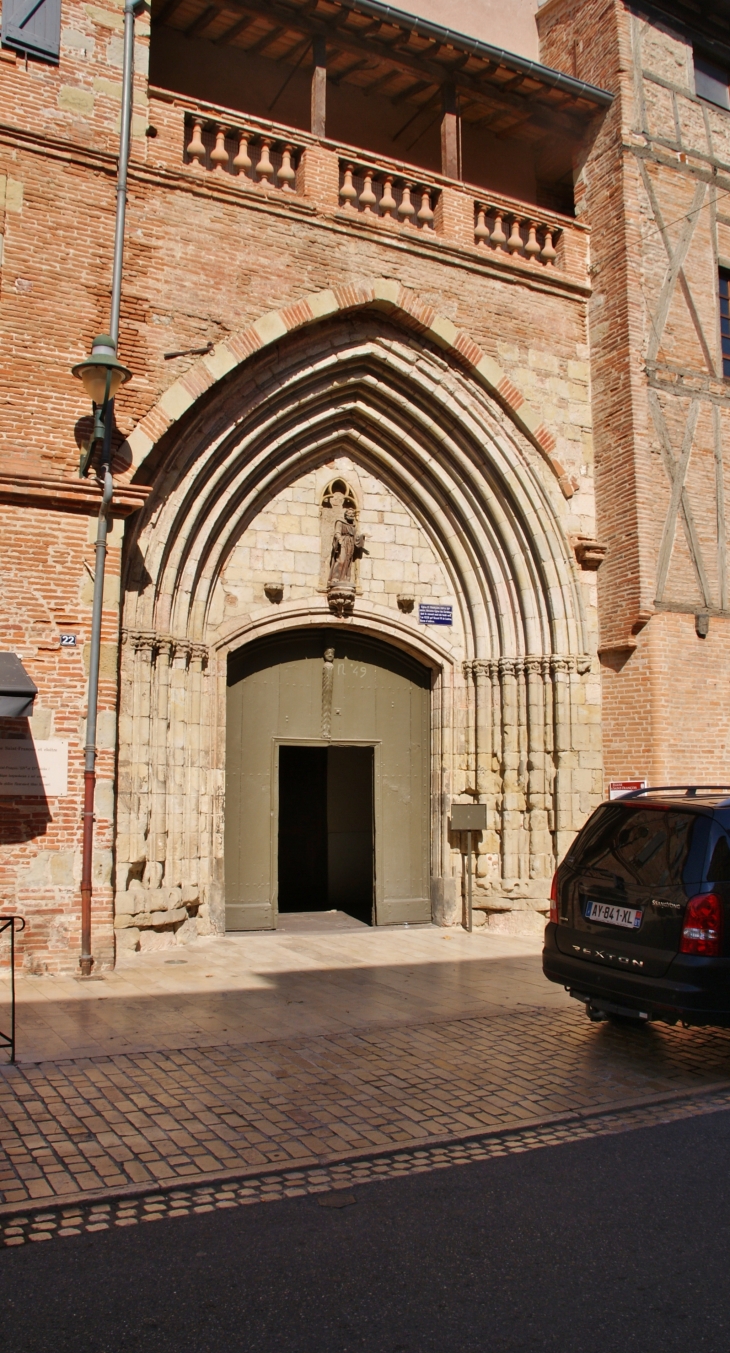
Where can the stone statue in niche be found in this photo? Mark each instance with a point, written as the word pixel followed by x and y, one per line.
pixel 347 545
pixel 342 546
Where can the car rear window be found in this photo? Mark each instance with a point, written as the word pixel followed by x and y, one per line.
pixel 647 846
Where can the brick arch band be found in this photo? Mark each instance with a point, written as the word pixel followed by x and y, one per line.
pixel 404 304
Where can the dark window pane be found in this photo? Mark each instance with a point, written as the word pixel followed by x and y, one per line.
pixel 711 82
pixel 719 867
pixel 643 846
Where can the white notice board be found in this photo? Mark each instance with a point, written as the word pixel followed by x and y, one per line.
pixel 32 768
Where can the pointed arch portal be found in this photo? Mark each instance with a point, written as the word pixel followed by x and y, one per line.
pixel 357 397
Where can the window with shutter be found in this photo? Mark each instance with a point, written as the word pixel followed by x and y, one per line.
pixel 32 27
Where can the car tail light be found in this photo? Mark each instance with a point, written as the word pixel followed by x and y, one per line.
pixel 554 898
pixel 702 928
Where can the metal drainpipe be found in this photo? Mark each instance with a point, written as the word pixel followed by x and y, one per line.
pixel 86 960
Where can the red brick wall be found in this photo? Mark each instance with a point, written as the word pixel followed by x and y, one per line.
pixel 665 690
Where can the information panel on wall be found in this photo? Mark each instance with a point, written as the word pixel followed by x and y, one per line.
pixel 33 769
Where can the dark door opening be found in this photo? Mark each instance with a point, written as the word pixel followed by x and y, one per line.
pixel 326 832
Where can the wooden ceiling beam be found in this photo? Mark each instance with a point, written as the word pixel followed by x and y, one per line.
pixel 232 33
pixel 203 21
pixel 345 39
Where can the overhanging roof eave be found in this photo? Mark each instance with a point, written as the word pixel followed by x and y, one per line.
pixel 545 75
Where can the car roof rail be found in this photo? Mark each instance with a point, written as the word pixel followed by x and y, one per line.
pixel 688 791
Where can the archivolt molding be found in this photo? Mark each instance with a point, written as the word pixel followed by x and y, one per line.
pixel 405 305
pixel 413 420
pixel 509 720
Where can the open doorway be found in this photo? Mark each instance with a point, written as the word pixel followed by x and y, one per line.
pixel 326 836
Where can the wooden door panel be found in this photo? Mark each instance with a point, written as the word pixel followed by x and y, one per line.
pixel 380 697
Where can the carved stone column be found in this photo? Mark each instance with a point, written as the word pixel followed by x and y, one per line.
pixel 135 732
pixel 328 676
pixel 157 845
pixel 194 845
pixel 540 845
pixel 469 729
pixel 483 725
pixel 523 838
pixel 497 786
pixel 510 770
pixel 561 669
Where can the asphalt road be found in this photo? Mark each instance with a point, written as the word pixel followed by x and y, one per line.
pixel 605 1246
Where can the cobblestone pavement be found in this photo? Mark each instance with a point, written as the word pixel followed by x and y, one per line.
pixel 303 1051
pixel 173 1118
pixel 334 1184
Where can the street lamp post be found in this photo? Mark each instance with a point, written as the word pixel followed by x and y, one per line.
pixel 102 374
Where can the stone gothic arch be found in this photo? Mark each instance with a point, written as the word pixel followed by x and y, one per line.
pixel 511 678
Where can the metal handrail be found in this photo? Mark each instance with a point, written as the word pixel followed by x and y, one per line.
pixel 8 1040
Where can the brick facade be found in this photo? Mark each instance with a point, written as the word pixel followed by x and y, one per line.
pixel 455 383
pixel 653 189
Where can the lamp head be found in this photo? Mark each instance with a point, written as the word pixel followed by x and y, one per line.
pixel 102 363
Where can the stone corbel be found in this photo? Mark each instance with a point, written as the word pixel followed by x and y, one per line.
pixel 589 553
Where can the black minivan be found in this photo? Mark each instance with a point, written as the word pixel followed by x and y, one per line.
pixel 640 909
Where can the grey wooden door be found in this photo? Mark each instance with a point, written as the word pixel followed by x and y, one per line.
pixel 380 698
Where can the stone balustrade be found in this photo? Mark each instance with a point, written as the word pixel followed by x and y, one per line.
pixel 242 151
pixel 248 152
pixel 386 195
pixel 500 228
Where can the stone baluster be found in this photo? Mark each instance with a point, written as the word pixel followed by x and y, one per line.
pixel 510 770
pixel 285 175
pixel 368 200
pixel 481 229
pixel 498 237
pixel 348 191
pixel 264 168
pixel 514 243
pixel 532 248
pixel 548 253
pixel 388 203
pixel 242 161
pixel 406 209
pixel 195 147
pixel 425 215
pixel 219 156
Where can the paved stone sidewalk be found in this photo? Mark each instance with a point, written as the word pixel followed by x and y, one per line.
pixel 332 1185
pixel 176 1117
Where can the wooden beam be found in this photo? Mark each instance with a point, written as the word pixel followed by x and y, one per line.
pixel 263 42
pixel 168 10
pixel 348 39
pixel 319 88
pixel 450 133
pixel 409 93
pixel 232 33
pixel 203 21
